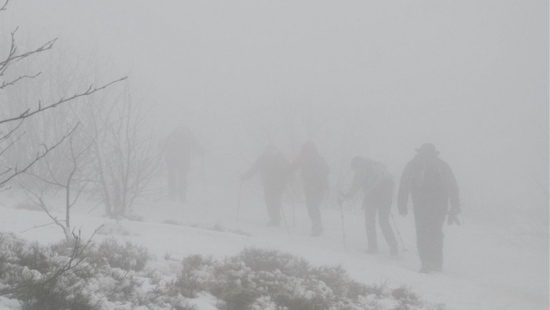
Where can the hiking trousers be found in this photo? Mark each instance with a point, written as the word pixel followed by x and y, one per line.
pixel 273 200
pixel 429 220
pixel 382 208
pixel 313 203
pixel 177 181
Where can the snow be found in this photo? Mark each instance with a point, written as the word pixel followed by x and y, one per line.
pixel 369 78
pixel 486 266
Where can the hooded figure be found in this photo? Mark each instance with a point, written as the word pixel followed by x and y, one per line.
pixel 180 146
pixel 432 186
pixel 274 170
pixel 314 170
pixel 377 184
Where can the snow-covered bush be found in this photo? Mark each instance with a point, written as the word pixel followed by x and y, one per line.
pixel 69 275
pixel 192 278
pixel 269 279
pixel 406 297
pixel 41 279
pixel 126 257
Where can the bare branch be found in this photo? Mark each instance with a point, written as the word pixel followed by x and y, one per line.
pixel 37 226
pixel 39 201
pixel 36 159
pixel 8 135
pixel 4 137
pixel 12 56
pixel 89 91
pixel 12 82
pixel 3 8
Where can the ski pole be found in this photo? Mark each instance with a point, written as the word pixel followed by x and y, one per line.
pixel 282 211
pixel 204 182
pixel 293 208
pixel 293 201
pixel 342 221
pixel 239 200
pixel 398 233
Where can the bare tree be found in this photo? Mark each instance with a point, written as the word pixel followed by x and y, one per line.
pixel 71 181
pixel 123 150
pixel 16 113
pixel 18 157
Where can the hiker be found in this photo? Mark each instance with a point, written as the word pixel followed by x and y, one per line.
pixel 314 171
pixel 377 184
pixel 180 146
pixel 274 170
pixel 432 186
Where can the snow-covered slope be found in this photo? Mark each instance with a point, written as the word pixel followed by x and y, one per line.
pixel 486 267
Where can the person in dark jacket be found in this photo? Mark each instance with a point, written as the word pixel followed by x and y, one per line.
pixel 432 186
pixel 314 171
pixel 274 170
pixel 377 184
pixel 180 146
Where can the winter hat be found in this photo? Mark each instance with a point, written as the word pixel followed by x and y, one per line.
pixel 356 162
pixel 308 149
pixel 427 148
pixel 271 150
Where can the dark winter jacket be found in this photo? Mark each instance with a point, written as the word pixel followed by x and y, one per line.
pixel 315 171
pixel 430 182
pixel 375 180
pixel 180 146
pixel 274 170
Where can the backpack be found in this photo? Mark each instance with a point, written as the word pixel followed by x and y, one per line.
pixel 429 177
pixel 383 177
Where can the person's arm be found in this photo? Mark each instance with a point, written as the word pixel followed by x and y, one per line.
pixel 324 167
pixel 404 189
pixel 358 180
pixel 296 163
pixel 327 179
pixel 195 146
pixel 452 190
pixel 252 171
pixel 287 169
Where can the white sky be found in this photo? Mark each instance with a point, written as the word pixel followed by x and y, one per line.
pixel 377 78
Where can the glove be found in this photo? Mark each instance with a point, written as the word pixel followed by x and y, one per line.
pixel 342 197
pixel 402 210
pixel 453 219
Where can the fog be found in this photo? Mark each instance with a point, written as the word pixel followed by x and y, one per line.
pixel 370 78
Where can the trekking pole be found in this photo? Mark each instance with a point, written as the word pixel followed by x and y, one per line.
pixel 282 210
pixel 342 220
pixel 204 182
pixel 293 200
pixel 239 200
pixel 398 233
pixel 293 209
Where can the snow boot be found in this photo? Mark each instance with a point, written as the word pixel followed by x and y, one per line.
pixel 371 251
pixel 316 230
pixel 425 270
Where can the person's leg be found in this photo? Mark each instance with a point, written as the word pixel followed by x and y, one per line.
pixel 313 203
pixel 385 226
pixel 437 220
pixel 370 221
pixel 171 178
pixel 183 186
pixel 273 205
pixel 423 237
pixel 183 172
